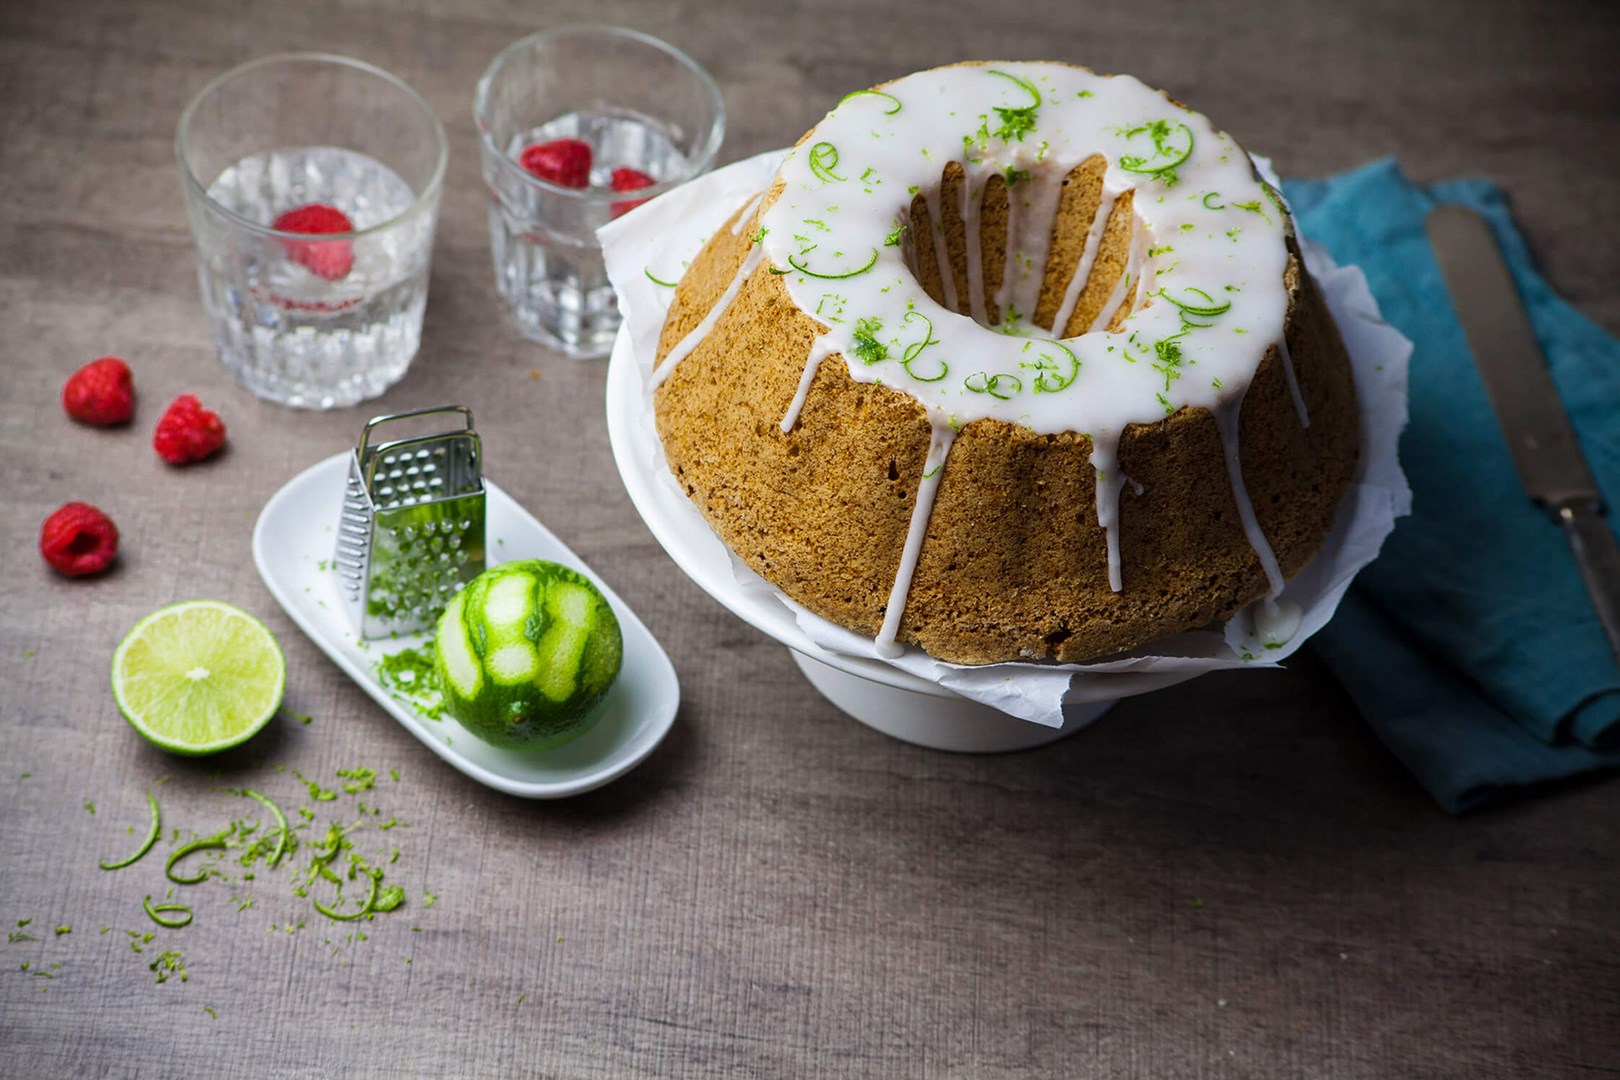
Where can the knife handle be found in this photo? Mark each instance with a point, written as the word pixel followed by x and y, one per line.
pixel 1598 556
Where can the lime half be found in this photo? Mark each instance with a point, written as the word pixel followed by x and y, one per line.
pixel 199 676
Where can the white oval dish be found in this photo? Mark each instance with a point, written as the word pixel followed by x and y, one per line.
pixel 293 542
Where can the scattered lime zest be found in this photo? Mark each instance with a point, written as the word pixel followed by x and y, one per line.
pixel 1213 195
pixel 146 845
pixel 281 823
pixel 1050 376
pixel 835 277
pixel 210 1012
pixel 1168 151
pixel 1208 309
pixel 357 779
pixel 915 349
pixel 823 160
pixel 60 930
pixel 868 349
pixel 991 384
pixel 657 280
pixel 359 913
pixel 90 806
pixel 157 911
pixel 204 843
pixel 1015 122
pixel 873 93
pixel 169 963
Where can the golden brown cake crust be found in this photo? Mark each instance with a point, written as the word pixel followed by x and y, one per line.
pixel 1013 564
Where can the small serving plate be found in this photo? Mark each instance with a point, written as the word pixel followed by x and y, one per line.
pixel 292 547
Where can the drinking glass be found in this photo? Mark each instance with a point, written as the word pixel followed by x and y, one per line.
pixel 639 104
pixel 312 186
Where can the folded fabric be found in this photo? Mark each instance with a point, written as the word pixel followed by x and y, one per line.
pixel 1470 644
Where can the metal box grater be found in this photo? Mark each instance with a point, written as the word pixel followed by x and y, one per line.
pixel 411 533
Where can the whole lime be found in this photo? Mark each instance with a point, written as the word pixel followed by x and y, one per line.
pixel 524 654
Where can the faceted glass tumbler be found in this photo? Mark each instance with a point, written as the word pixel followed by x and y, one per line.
pixel 639 104
pixel 312 186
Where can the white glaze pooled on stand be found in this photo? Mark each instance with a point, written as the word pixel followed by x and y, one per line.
pixel 1202 297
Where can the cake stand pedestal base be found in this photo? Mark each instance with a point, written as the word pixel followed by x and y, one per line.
pixel 931 716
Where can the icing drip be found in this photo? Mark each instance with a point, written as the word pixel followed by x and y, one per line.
pixel 936 226
pixel 1082 269
pixel 823 348
pixel 1031 205
pixel 747 215
pixel 939 447
pixel 1226 418
pixel 1287 359
pixel 975 259
pixel 1110 481
pixel 1129 282
pixel 1277 621
pixel 692 340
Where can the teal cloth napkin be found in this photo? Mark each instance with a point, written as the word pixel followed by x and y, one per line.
pixel 1470 644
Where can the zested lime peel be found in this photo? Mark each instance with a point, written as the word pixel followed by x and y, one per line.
pixel 198 677
pixel 269 842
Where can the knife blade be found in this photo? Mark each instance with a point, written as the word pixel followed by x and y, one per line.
pixel 1527 405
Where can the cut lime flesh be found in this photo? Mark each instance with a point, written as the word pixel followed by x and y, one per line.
pixel 198 677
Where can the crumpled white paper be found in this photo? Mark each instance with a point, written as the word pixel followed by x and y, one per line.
pixel 655 244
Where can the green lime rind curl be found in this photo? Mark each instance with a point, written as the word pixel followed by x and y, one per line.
pixel 801 268
pixel 873 93
pixel 157 911
pixel 205 843
pixel 146 845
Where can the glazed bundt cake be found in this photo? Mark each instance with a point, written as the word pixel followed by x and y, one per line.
pixel 1010 361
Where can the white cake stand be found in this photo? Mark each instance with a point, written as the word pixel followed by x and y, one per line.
pixel 878 695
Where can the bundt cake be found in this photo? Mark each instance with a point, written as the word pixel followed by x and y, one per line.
pixel 1010 361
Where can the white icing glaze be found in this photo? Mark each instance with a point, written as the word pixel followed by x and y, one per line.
pixel 1287 359
pixel 747 214
pixel 1276 621
pixel 1226 418
pixel 694 338
pixel 939 447
pixel 824 347
pixel 1202 292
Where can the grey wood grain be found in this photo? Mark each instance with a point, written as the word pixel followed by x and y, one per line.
pixel 1227 879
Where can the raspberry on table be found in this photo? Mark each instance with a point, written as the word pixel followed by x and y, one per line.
pixel 564 162
pixel 188 432
pixel 328 259
pixel 627 179
pixel 100 393
pixel 78 540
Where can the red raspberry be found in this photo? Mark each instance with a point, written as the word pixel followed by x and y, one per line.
pixel 188 432
pixel 564 162
pixel 100 393
pixel 329 259
pixel 629 180
pixel 78 539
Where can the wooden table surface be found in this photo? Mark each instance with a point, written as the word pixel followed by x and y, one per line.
pixel 1227 878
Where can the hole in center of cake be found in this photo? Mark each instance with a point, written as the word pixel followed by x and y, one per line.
pixel 1041 251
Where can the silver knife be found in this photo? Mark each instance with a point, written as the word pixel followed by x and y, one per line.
pixel 1528 408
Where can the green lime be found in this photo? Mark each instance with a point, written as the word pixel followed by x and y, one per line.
pixel 199 676
pixel 525 652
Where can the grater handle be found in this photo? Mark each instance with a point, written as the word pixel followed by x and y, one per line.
pixel 388 418
pixel 369 468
